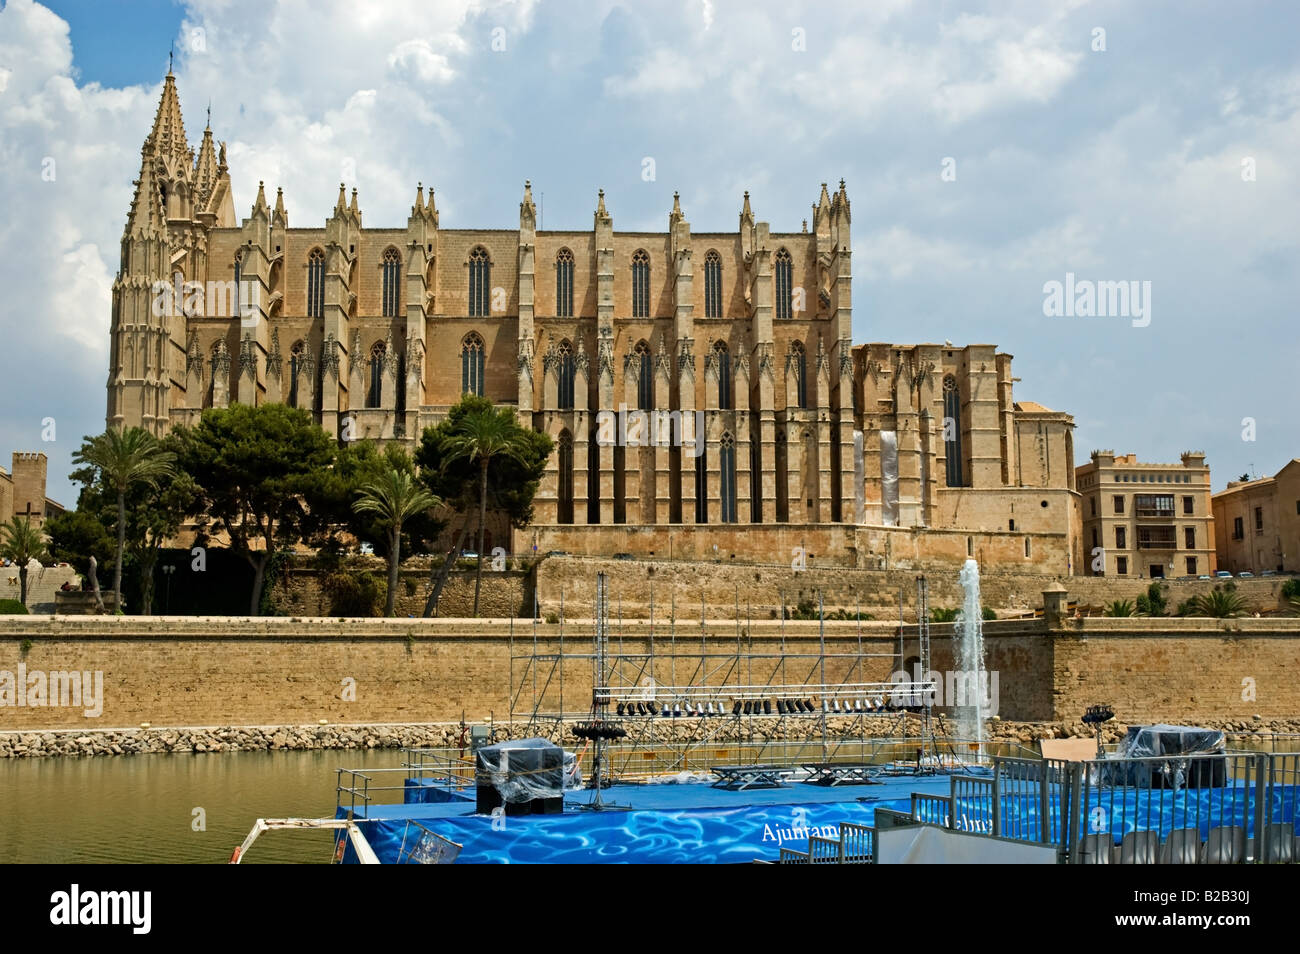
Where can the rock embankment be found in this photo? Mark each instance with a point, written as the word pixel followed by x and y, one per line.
pixel 138 741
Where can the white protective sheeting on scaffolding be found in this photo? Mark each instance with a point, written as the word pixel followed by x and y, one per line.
pixel 859 477
pixel 889 478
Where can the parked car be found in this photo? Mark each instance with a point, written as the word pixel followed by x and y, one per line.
pixel 557 553
pixel 468 555
pixel 1223 575
pixel 624 556
pixel 1245 575
pixel 1269 573
pixel 1205 576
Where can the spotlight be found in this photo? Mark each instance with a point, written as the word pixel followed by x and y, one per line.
pixel 780 707
pixel 620 710
pixel 735 709
pixel 767 707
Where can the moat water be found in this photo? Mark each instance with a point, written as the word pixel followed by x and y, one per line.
pixel 141 808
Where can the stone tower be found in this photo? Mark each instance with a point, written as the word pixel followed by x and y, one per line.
pixel 178 199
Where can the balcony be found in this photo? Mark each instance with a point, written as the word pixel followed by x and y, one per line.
pixel 1157 538
pixel 1159 506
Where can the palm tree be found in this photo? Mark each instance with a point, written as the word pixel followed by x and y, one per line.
pixel 1120 608
pixel 481 437
pixel 22 543
pixel 123 459
pixel 1219 604
pixel 394 497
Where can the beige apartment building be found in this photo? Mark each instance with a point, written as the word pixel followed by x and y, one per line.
pixel 1148 521
pixel 1257 523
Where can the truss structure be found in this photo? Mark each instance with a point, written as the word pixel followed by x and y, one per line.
pixel 680 701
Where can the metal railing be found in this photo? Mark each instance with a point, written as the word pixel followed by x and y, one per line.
pixel 932 809
pixel 1210 808
pixel 856 845
pixel 358 789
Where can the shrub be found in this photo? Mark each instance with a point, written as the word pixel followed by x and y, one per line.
pixel 941 615
pixel 1152 602
pixel 1186 608
pixel 989 614
pixel 1291 589
pixel 552 618
pixel 12 608
pixel 354 594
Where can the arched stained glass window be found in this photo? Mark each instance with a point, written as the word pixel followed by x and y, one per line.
pixel 375 394
pixel 722 361
pixel 784 284
pixel 480 283
pixel 316 284
pixel 392 283
pixel 472 355
pixel 564 284
pixel 640 284
pixel 565 370
pixel 712 285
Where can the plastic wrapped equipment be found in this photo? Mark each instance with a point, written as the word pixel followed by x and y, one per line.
pixel 518 772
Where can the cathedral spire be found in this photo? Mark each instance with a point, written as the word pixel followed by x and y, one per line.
pixel 342 204
pixel 527 208
pixel 205 167
pixel 675 215
pixel 145 218
pixel 259 204
pixel 746 214
pixel 353 208
pixel 600 205
pixel 279 215
pixel 168 133
pixel 418 208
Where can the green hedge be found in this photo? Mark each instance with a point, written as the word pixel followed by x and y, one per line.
pixel 12 608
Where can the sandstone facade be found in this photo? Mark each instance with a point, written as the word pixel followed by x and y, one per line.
pixel 703 379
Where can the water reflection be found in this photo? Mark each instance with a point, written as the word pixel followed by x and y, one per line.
pixel 141 808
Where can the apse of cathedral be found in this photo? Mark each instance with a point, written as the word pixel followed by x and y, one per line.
pixel 702 378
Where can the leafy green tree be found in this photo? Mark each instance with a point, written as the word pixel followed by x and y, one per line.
pixel 21 542
pixel 1219 604
pixel 502 482
pixel 332 493
pixel 77 535
pixel 394 497
pixel 253 467
pixel 123 460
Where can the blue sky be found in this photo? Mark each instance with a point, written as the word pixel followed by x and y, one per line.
pixel 1117 164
